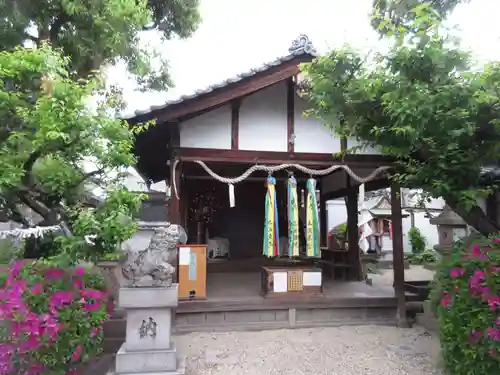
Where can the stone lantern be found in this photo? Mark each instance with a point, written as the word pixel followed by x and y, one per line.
pixel 451 228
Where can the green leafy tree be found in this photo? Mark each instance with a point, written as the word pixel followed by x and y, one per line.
pixel 48 133
pixel 95 32
pixel 52 133
pixel 423 104
pixel 389 16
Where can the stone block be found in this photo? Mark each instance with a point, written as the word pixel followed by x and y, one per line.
pixel 148 297
pixel 148 329
pixel 180 370
pixel 147 361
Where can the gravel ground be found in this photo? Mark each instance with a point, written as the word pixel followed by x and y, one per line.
pixel 367 350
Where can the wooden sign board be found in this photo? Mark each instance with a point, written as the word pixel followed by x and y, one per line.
pixel 192 272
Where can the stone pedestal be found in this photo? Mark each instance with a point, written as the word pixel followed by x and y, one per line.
pixel 148 348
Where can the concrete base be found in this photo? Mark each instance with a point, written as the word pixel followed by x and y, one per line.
pixel 152 361
pixel 180 370
pixel 148 349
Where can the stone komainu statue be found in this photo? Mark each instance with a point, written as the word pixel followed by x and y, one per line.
pixel 155 265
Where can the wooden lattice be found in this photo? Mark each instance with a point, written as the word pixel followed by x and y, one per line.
pixel 295 281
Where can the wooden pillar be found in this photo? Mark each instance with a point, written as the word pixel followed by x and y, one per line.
pixel 398 255
pixel 290 114
pixel 174 205
pixel 352 233
pixel 175 216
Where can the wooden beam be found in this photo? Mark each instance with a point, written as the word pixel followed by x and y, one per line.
pixel 290 114
pixel 258 179
pixel 232 90
pixel 235 123
pixel 273 157
pixel 369 186
pixel 352 233
pixel 398 255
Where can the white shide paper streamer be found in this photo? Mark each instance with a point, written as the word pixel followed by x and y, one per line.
pixel 37 232
pixel 364 218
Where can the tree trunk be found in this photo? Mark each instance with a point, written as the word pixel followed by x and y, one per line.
pixel 475 217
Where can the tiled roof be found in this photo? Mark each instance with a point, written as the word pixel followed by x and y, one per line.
pixel 300 46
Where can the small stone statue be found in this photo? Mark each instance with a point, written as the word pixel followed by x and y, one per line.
pixel 154 265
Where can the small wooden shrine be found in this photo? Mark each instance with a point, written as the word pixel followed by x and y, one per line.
pixel 250 174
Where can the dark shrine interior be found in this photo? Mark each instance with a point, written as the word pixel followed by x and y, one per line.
pixel 243 224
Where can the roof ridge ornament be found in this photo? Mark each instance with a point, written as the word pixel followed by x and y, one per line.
pixel 302 44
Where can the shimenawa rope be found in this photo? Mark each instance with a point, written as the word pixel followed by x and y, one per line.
pixel 274 168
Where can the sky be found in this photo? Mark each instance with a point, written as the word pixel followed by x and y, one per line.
pixel 236 36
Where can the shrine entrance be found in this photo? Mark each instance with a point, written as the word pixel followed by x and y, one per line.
pixel 230 223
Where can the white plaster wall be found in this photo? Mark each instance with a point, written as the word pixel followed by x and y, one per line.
pixel 352 142
pixel 311 135
pixel 262 121
pixel 209 130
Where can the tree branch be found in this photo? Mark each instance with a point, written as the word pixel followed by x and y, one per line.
pixel 36 206
pixel 85 177
pixel 27 179
pixel 475 217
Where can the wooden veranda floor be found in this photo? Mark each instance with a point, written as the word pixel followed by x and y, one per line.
pixel 234 303
pixel 229 291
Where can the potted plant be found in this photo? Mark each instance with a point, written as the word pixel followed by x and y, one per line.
pixel 339 233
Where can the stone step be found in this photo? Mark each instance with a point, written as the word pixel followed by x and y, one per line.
pixel 428 322
pixel 282 318
pixel 111 345
pixel 99 366
pixel 181 370
pixel 428 308
pixel 163 360
pixel 115 328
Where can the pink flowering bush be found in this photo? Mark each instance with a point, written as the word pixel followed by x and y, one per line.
pixel 52 319
pixel 469 311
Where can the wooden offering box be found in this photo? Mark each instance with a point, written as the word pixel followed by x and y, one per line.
pixel 291 280
pixel 192 272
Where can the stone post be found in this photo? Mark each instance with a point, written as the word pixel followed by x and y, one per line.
pixel 148 347
pixel 148 298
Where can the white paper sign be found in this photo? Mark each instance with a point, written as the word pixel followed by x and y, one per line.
pixel 280 282
pixel 184 256
pixel 311 278
pixel 231 196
